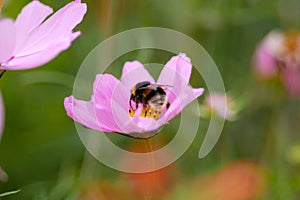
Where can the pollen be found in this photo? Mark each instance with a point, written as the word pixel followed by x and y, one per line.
pixel 146 113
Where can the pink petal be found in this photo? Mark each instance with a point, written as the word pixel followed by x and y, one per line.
pixel 111 102
pixel 75 35
pixel 264 62
pixel 105 118
pixel 133 73
pixel 198 92
pixel 178 67
pixel 83 112
pixel 182 100
pixel 7 39
pixel 57 28
pixel 104 86
pixel 122 121
pixel 120 106
pixel 177 73
pixel 1 116
pixel 31 16
pixel 38 58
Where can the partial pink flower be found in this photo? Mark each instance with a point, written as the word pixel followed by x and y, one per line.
pixel 108 109
pixel 33 39
pixel 1 116
pixel 278 55
pixel 220 104
pixel 266 53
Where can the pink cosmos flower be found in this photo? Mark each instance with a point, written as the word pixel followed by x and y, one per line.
pixel 266 53
pixel 108 109
pixel 1 116
pixel 32 40
pixel 279 55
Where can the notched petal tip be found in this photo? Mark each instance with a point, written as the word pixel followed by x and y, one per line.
pixel 68 104
pixel 134 72
pixel 105 83
pixel 130 65
pixel 31 16
pixel 198 91
pixel 177 71
pixel 185 57
pixel 75 35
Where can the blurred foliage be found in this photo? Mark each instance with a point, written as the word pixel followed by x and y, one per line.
pixel 43 156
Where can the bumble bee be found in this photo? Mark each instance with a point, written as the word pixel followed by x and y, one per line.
pixel 153 98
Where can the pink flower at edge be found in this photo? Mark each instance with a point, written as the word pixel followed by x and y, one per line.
pixel 264 60
pixel 278 55
pixel 32 40
pixel 108 108
pixel 220 104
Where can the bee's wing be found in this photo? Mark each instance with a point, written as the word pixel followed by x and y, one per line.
pixel 163 85
pixel 154 86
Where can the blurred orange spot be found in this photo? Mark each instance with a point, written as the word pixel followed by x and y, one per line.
pixel 242 180
pixel 154 184
pixel 100 190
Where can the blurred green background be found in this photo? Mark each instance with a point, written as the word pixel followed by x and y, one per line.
pixel 257 156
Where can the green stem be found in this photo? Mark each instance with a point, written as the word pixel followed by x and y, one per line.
pixel 151 167
pixel 2 71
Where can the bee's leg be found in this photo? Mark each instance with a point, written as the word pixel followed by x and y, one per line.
pixel 136 105
pixel 145 105
pixel 144 102
pixel 130 101
pixel 168 105
pixel 156 114
pixel 131 112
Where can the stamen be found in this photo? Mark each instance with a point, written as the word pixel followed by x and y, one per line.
pixel 146 113
pixel 291 41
